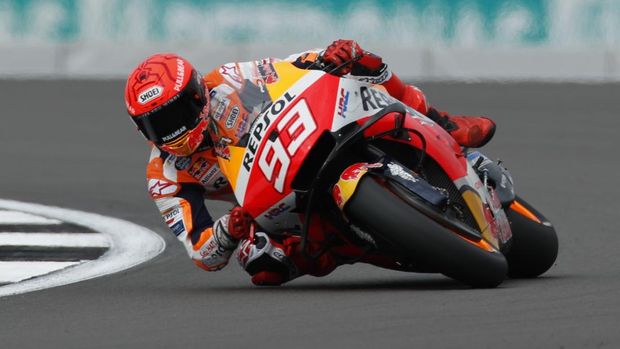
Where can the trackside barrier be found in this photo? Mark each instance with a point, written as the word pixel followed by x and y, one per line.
pixel 531 64
pixel 566 40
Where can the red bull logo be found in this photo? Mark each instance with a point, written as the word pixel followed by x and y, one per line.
pixel 344 189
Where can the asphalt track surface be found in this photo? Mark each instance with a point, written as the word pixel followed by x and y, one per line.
pixel 70 144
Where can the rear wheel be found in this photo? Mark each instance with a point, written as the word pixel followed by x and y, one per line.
pixel 534 246
pixel 377 210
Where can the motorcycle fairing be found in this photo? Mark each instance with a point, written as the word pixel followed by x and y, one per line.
pixel 241 166
pixel 357 100
pixel 284 132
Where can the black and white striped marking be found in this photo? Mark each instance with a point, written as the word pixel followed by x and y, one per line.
pixel 32 245
pixel 44 246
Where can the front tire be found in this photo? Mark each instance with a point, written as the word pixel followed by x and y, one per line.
pixel 377 210
pixel 534 246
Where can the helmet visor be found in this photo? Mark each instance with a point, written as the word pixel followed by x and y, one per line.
pixel 176 117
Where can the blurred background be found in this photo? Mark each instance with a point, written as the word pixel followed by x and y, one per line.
pixel 66 140
pixel 565 40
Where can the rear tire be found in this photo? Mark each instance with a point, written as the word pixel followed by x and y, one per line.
pixel 377 210
pixel 534 246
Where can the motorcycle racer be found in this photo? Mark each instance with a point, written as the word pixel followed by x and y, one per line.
pixel 190 120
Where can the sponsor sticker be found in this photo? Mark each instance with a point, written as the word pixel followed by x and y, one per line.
pixel 178 228
pixel 231 73
pixel 182 163
pixel 356 171
pixel 178 83
pixel 260 126
pixel 199 168
pixel 221 148
pixel 373 99
pixel 174 134
pixel 347 184
pixel 231 120
pixel 223 90
pixel 160 188
pixel 337 195
pixel 261 85
pixel 208 249
pixel 383 77
pixel 343 102
pixel 277 210
pixel 150 94
pixel 243 124
pixel 222 105
pixel 219 183
pixel 397 170
pixel 267 73
pixel 171 215
pixel 209 175
pixel 170 160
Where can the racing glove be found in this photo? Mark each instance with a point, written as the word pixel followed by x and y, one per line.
pixel 349 57
pixel 214 246
pixel 266 260
pixel 272 262
pixel 240 223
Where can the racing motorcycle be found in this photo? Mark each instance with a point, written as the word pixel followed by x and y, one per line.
pixel 387 177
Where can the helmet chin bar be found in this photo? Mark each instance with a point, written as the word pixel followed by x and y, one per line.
pixel 189 142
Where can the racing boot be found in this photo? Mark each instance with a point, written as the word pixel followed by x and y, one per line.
pixel 468 131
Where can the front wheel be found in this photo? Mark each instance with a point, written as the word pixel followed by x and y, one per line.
pixel 377 210
pixel 534 246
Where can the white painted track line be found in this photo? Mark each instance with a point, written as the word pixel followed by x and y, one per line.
pixel 54 239
pixel 16 271
pixel 130 245
pixel 12 217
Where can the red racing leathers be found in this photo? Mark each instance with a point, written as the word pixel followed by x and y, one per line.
pixel 180 185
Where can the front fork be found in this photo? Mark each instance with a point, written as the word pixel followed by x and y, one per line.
pixel 498 194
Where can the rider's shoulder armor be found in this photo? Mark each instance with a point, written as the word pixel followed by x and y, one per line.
pixel 166 173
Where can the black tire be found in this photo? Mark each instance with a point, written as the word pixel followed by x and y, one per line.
pixel 376 209
pixel 534 246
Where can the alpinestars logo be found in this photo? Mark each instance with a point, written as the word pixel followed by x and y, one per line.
pixel 160 188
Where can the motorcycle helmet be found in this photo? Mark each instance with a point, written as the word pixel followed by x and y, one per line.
pixel 169 103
